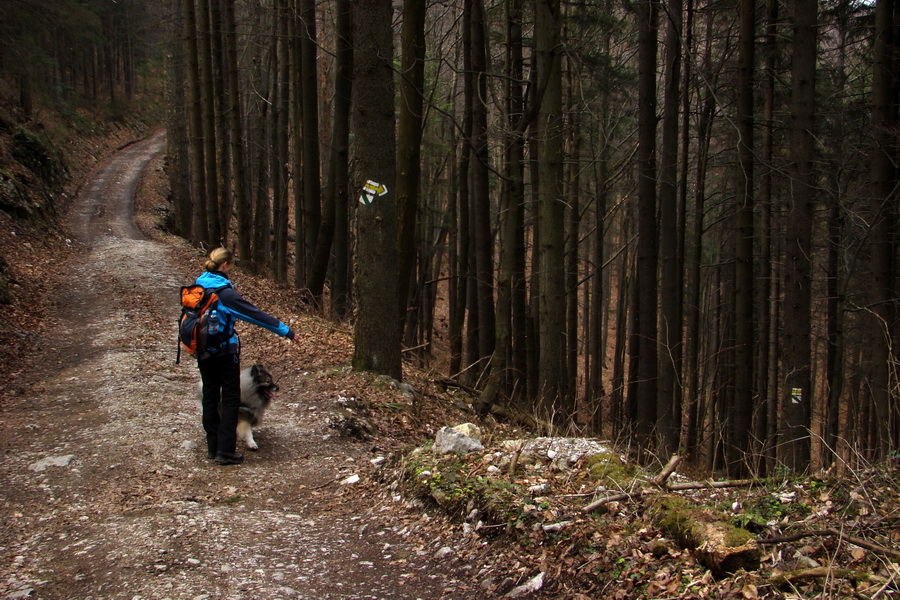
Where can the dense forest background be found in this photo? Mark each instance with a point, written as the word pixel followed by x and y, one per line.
pixel 672 223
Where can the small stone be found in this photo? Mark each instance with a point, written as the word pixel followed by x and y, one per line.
pixel 532 585
pixel 53 461
pixel 449 440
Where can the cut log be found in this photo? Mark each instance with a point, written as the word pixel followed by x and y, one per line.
pixel 712 539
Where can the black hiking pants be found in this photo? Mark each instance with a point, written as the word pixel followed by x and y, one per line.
pixel 221 376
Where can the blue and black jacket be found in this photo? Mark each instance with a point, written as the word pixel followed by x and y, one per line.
pixel 232 306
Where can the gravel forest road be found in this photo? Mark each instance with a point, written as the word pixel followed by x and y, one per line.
pixel 105 492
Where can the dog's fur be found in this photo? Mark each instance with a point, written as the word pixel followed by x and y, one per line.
pixel 258 388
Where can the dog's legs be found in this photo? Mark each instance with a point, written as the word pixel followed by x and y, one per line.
pixel 245 432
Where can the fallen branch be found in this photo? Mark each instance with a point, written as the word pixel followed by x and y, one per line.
pixel 667 471
pixel 819 572
pixel 702 485
pixel 674 487
pixel 614 498
pixel 834 533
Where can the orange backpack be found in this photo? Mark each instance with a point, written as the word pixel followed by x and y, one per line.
pixel 200 328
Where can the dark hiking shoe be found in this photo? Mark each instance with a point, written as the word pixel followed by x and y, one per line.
pixel 226 458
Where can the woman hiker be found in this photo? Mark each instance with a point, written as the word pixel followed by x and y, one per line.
pixel 220 367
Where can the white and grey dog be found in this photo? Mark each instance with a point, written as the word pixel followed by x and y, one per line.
pixel 258 389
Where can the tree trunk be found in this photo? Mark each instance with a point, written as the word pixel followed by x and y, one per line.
pixel 297 141
pixel 312 208
pixel 338 181
pixel 797 395
pixel 460 271
pixel 262 213
pixel 504 375
pixel 884 204
pixel 208 114
pixel 224 195
pixel 481 200
pixel 693 253
pixel 647 259
pixel 766 296
pixel 177 135
pixel 669 361
pixel 280 158
pixel 240 189
pixel 195 119
pixel 377 328
pixel 409 141
pixel 740 418
pixel 572 245
pixel 556 402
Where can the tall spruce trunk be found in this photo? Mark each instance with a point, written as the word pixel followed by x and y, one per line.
pixel 460 271
pixel 555 400
pixel 409 143
pixel 797 399
pixel 670 326
pixel 224 196
pixel 766 296
pixel 195 121
pixel 504 376
pixel 376 333
pixel 239 168
pixel 208 114
pixel 884 206
pixel 741 416
pixel 481 199
pixel 693 253
pixel 262 212
pixel 338 180
pixel 177 127
pixel 645 377
pixel 280 157
pixel 312 202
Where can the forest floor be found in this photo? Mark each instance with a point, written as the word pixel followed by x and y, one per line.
pixel 106 492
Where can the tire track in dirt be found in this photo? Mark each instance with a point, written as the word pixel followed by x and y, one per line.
pixel 104 492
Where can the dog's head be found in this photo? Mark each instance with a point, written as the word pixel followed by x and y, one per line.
pixel 263 381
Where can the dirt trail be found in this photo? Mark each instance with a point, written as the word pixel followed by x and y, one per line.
pixel 104 492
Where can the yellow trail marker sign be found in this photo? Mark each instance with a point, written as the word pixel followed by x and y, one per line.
pixel 370 190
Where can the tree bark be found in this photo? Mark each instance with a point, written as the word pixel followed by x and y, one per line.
pixel 338 181
pixel 740 418
pixel 647 260
pixel 409 141
pixel 208 118
pixel 240 188
pixel 377 328
pixel 883 204
pixel 796 324
pixel 195 120
pixel 555 401
pixel 280 158
pixel 481 200
pixel 177 130
pixel 312 210
pixel 670 326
